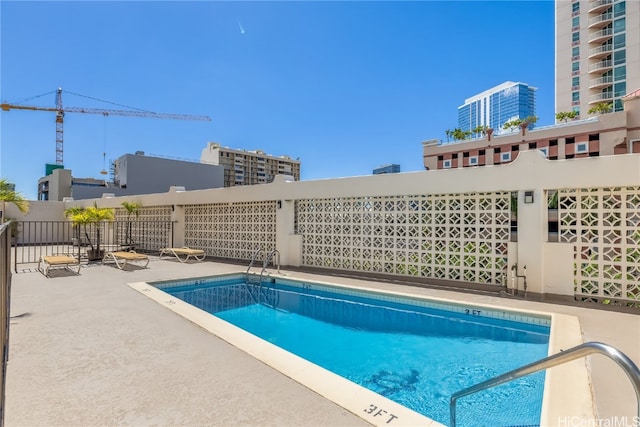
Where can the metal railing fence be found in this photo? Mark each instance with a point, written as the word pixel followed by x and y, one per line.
pixel 5 304
pixel 36 239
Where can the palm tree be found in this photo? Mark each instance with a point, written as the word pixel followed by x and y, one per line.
pixel 72 213
pixel 481 129
pixel 448 132
pixel 460 135
pixel 8 194
pixel 566 115
pixel 601 108
pixel 132 208
pixel 511 124
pixel 91 215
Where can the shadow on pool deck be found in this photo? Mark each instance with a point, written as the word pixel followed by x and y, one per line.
pixel 89 350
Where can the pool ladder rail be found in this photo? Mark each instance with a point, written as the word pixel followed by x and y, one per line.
pixel 577 352
pixel 262 293
pixel 266 258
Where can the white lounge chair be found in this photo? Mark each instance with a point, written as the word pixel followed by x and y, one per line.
pixel 121 258
pixel 48 262
pixel 183 254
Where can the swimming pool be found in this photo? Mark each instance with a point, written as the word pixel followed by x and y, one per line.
pixel 414 352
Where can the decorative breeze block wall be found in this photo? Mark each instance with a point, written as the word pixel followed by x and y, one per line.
pixel 231 230
pixel 603 223
pixel 460 237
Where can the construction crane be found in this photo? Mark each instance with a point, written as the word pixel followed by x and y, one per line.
pixel 60 112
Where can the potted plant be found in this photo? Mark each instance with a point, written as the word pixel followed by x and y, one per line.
pixel 90 216
pixel 13 229
pixel 132 208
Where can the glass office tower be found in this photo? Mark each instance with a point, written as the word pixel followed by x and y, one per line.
pixel 496 106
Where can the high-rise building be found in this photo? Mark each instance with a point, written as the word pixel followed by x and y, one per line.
pixel 242 167
pixel 390 168
pixel 496 106
pixel 597 53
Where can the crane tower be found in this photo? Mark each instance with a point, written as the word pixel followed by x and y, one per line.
pixel 60 112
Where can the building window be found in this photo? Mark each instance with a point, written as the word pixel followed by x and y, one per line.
pixel 569 140
pixel 505 157
pixel 515 147
pixel 594 137
pixel 481 152
pixel 553 143
pixel 575 7
pixel 575 82
pixel 575 22
pixel 440 158
pixel 570 156
pixel 446 164
pixel 532 145
pixel 617 105
pixel 465 154
pixel 575 96
pixel 619 57
pixel 544 151
pixel 473 161
pixel 619 25
pixel 619 9
pixel 575 52
pixel 620 73
pixel 575 66
pixel 619 89
pixel 618 41
pixel 575 37
pixel 496 150
pixel 582 147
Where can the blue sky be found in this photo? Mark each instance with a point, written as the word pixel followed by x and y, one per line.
pixel 344 86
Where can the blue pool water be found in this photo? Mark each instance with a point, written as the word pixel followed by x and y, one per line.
pixel 413 352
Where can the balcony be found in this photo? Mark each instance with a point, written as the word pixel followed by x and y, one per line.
pixel 601 36
pixel 600 82
pixel 600 20
pixel 600 51
pixel 601 97
pixel 598 6
pixel 600 67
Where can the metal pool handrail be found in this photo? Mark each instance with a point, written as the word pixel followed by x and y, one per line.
pixel 254 258
pixel 577 352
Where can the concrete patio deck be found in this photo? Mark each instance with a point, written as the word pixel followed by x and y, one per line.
pixel 89 350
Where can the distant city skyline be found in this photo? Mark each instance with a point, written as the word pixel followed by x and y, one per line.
pixel 344 86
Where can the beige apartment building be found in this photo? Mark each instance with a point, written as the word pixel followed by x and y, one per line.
pixel 597 53
pixel 242 167
pixel 602 135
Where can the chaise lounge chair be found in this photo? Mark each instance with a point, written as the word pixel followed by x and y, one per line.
pixel 48 262
pixel 121 258
pixel 185 252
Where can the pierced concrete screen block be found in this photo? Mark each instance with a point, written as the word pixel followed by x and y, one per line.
pixel 604 225
pixel 152 226
pixel 231 230
pixel 460 237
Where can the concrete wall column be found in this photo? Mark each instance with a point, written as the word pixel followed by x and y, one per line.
pixel 549 265
pixel 532 229
pixel 287 243
pixel 177 217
